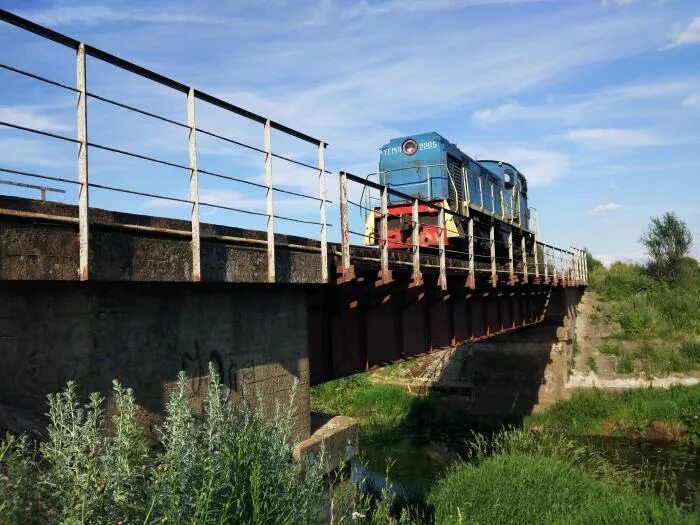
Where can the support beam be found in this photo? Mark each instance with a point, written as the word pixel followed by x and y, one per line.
pixel 268 201
pixel 442 282
pixel 415 243
pixel 322 196
pixel 194 188
pixel 83 179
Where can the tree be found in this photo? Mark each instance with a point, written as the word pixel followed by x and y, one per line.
pixel 668 241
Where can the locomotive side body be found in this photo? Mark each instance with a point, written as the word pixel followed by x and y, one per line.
pixel 429 167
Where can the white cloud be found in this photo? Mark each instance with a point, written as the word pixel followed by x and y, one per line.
pixel 623 100
pixel 604 209
pixel 613 138
pixel 540 166
pixel 689 35
pixel 692 101
pixel 31 117
pixel 95 14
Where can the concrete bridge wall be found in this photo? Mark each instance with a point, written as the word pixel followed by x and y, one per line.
pixel 143 334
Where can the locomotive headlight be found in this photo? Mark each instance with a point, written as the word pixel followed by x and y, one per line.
pixel 409 147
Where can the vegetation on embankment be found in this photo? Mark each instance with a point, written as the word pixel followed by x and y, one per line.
pixel 646 413
pixel 383 411
pixel 652 311
pixel 520 478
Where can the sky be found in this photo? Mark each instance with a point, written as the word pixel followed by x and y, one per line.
pixel 596 102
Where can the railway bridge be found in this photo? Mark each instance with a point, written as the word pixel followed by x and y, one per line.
pixel 95 286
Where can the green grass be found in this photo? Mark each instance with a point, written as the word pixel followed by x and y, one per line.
pixel 521 488
pixel 525 477
pixel 383 411
pixel 635 412
pixel 664 315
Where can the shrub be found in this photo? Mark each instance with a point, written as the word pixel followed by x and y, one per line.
pixel 235 466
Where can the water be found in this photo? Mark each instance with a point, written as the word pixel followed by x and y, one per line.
pixel 416 463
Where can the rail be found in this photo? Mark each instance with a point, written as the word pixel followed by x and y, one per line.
pixel 192 96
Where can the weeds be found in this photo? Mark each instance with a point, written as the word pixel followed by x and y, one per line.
pixel 234 467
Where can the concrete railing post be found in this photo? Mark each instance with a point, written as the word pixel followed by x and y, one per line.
pixel 545 251
pixel 536 257
pixel 322 196
pixel 83 179
pixel 523 249
pixel 384 232
pixel 194 188
pixel 470 233
pixel 415 242
pixel 268 203
pixel 511 262
pixel 492 242
pixel 441 249
pixel 344 225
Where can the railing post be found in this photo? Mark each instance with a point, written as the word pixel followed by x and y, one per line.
pixel 493 199
pixel 415 243
pixel 585 266
pixel 554 265
pixel 322 195
pixel 83 179
pixel 470 233
pixel 268 200
pixel 511 263
pixel 441 249
pixel 537 263
pixel 384 232
pixel 344 226
pixel 545 250
pixel 523 248
pixel 194 188
pixel 492 239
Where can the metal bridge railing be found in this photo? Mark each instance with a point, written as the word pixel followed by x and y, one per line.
pixel 192 96
pixel 543 262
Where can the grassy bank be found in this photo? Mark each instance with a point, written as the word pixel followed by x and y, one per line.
pixel 524 478
pixel 650 413
pixel 655 322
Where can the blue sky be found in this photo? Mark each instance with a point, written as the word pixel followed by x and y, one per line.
pixel 598 103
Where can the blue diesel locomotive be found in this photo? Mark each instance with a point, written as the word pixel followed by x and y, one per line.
pixel 429 167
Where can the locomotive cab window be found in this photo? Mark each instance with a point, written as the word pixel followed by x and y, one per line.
pixel 508 178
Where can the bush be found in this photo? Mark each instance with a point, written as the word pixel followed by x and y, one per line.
pixel 234 467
